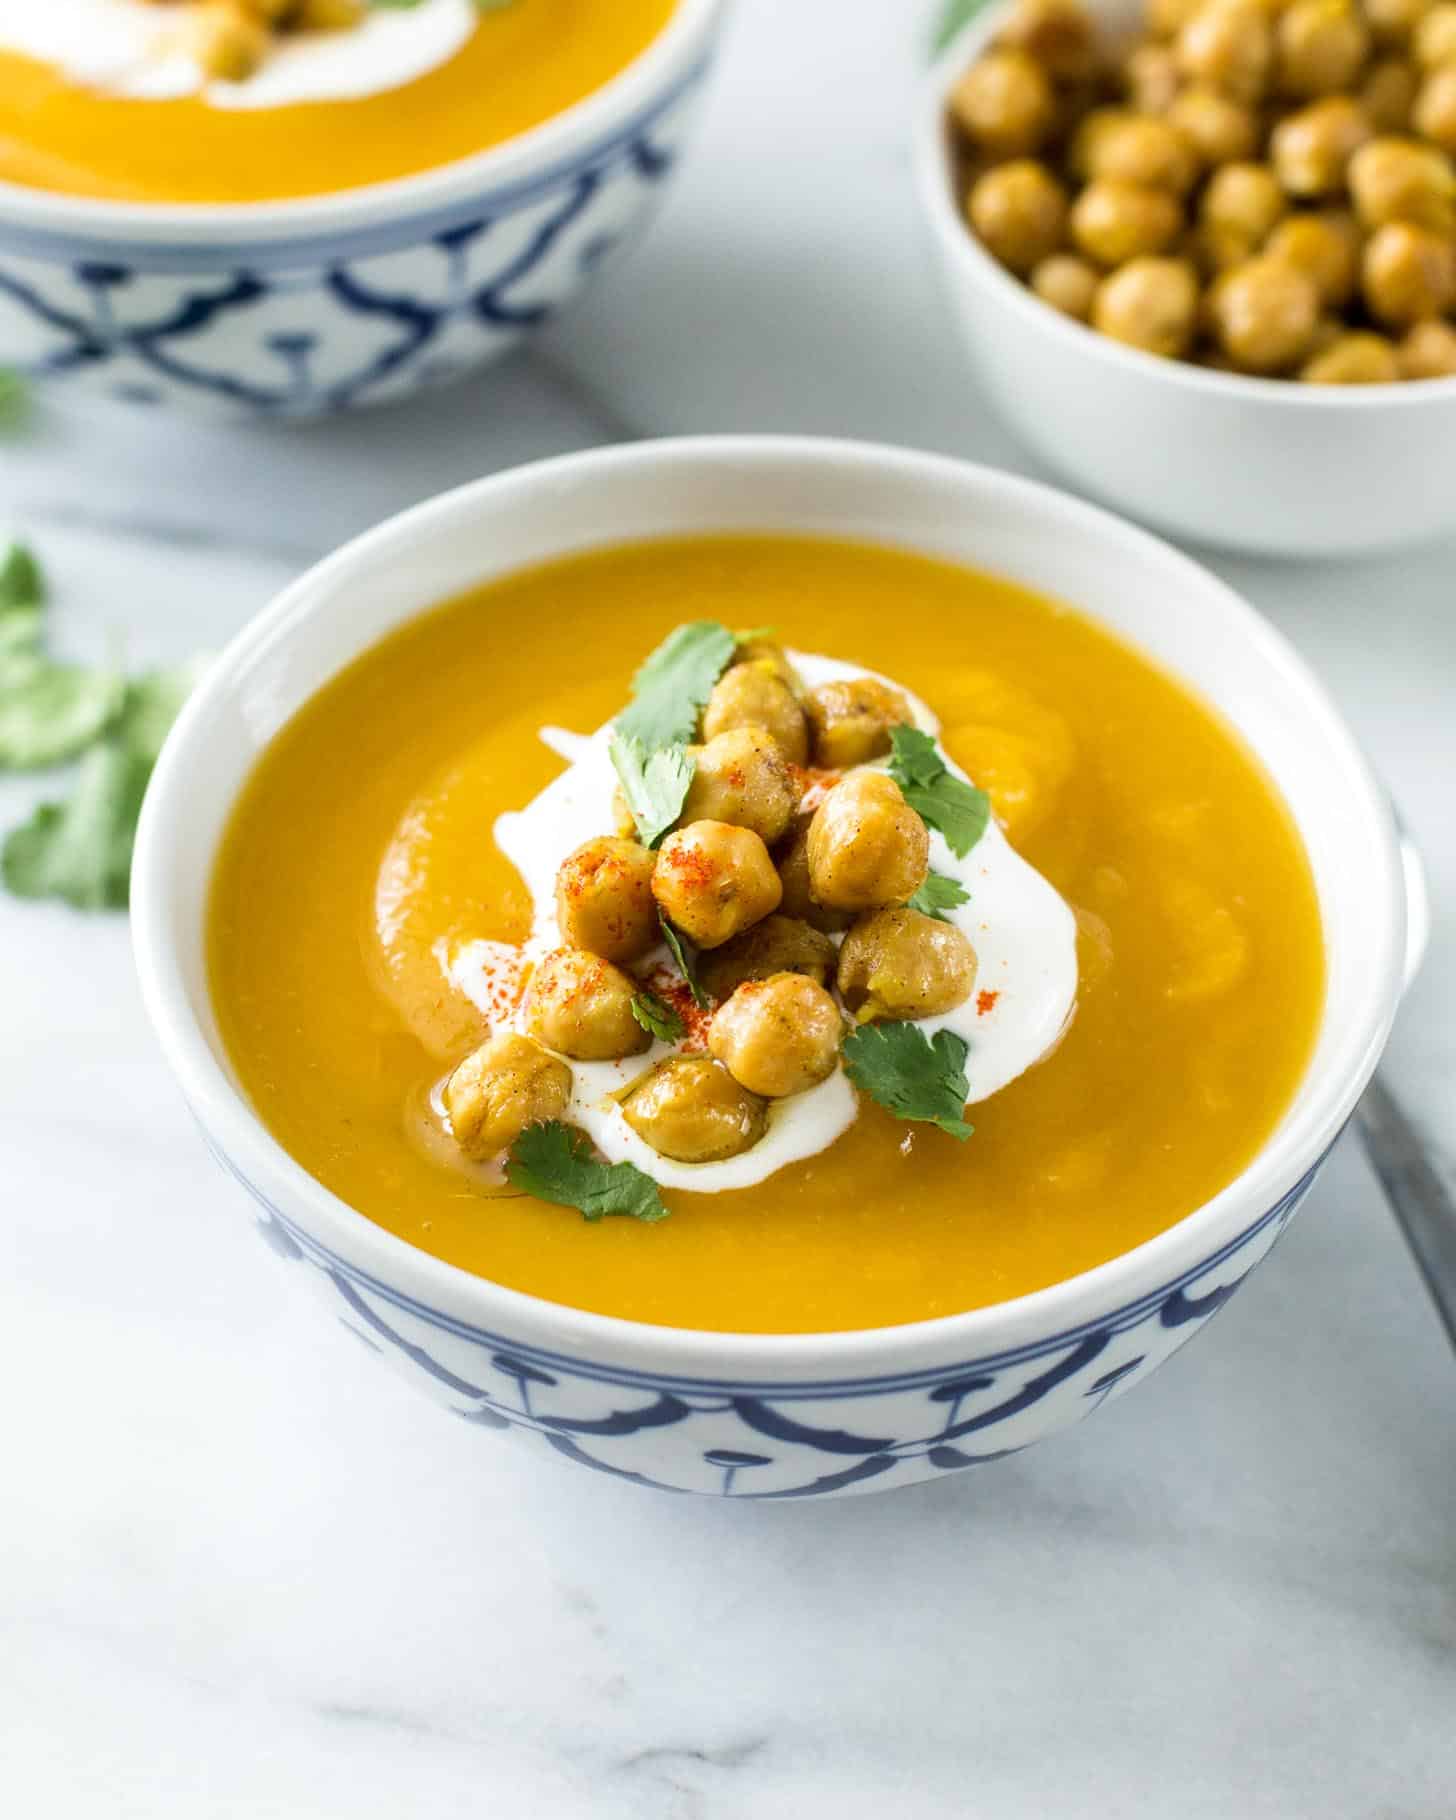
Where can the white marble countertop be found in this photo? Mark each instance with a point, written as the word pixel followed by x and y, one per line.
pixel 243 1573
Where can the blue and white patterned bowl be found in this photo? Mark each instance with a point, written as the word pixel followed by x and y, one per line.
pixel 299 308
pixel 743 1415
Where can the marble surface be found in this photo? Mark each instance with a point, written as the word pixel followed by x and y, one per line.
pixel 244 1573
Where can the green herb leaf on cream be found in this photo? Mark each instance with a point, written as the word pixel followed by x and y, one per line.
pixel 942 800
pixel 657 1017
pixel 655 784
pixel 686 956
pixel 669 691
pixel 555 1163
pixel 939 894
pixel 910 1074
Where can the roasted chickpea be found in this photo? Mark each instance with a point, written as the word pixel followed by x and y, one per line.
pixel 769 654
pixel 509 1082
pixel 899 964
pixel 1398 180
pixel 1434 37
pixel 1004 103
pixel 1067 283
pixel 226 44
pixel 1057 34
pixel 1243 200
pixel 1135 149
pixel 1219 129
pixel 691 1109
pixel 1388 94
pixel 1434 113
pixel 1326 248
pixel 851 722
pixel 1264 314
pixel 777 1036
pixel 714 880
pixel 867 846
pixel 1214 250
pixel 1019 211
pixel 1393 21
pixel 779 944
pixel 1150 304
pixel 581 1006
pixel 1114 222
pixel 1407 273
pixel 1320 47
pixel 1150 76
pixel 604 899
pixel 1357 359
pixel 756 695
pixel 799 901
pixel 742 777
pixel 1428 351
pixel 1311 150
pixel 1229 45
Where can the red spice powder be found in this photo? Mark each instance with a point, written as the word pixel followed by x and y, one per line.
pixel 814 785
pixel 986 1001
pixel 673 990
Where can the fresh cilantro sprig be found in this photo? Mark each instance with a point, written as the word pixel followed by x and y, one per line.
pixel 554 1162
pixel 942 800
pixel 670 689
pixel 686 956
pixel 655 784
pixel 910 1074
pixel 955 15
pixel 48 711
pixel 658 1018
pixel 939 894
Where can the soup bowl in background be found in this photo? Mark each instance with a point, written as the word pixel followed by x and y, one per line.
pixel 304 307
pixel 774 1416
pixel 1267 465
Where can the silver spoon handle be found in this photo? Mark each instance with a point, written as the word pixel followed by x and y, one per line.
pixel 1424 1206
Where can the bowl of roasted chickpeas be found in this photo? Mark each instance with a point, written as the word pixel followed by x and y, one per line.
pixel 1204 255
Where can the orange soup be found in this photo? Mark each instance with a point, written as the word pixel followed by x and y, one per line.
pixel 1198 984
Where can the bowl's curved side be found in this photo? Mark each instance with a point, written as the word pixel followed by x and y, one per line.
pixel 279 327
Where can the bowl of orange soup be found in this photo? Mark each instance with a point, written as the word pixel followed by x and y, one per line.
pixel 286 210
pixel 771 967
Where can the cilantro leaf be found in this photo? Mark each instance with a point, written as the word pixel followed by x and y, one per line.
pixel 939 894
pixel 910 1074
pixel 153 702
pixel 14 399
pixel 669 691
pixel 686 956
pixel 654 784
pixel 554 1162
pixel 941 799
pixel 655 1015
pixel 954 17
pixel 53 711
pixel 21 581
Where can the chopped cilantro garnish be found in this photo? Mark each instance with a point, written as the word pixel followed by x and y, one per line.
pixel 939 894
pixel 657 1016
pixel 686 956
pixel 941 799
pixel 21 581
pixel 554 1162
pixel 669 691
pixel 910 1074
pixel 655 784
pixel 50 712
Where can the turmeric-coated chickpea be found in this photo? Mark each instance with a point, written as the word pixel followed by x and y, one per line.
pixel 506 1084
pixel 1114 222
pixel 604 899
pixel 1407 273
pixel 1321 46
pixel 851 721
pixel 1150 304
pixel 1004 103
pixel 900 964
pixel 798 900
pixel 1150 76
pixel 225 43
pixel 1400 180
pixel 1361 358
pixel 867 846
pixel 779 944
pixel 742 777
pixel 1135 149
pixel 1388 94
pixel 714 880
pixel 1434 112
pixel 1243 199
pixel 581 1006
pixel 770 654
pixel 1428 351
pixel 1311 149
pixel 1228 44
pixel 755 695
pixel 1219 129
pixel 1325 247
pixel 1393 21
pixel 1067 283
pixel 777 1036
pixel 1434 37
pixel 1019 211
pixel 1264 314
pixel 1057 34
pixel 691 1109
pixel 1215 250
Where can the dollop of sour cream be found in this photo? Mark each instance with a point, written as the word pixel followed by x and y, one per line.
pixel 132 49
pixel 1024 934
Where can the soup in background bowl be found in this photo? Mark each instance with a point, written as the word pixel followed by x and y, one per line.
pixel 905 1299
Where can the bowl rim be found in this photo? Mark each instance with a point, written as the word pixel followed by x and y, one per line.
pixel 1187 1248
pixel 971 259
pixel 664 62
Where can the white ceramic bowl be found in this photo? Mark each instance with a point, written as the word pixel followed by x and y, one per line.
pixel 785 1416
pixel 1258 464
pixel 300 308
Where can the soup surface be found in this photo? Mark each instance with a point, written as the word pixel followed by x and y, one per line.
pixel 516 66
pixel 1200 956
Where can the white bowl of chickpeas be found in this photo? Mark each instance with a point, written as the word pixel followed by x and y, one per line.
pixel 1204 254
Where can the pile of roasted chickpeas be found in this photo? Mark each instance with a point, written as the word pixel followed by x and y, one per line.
pixel 761 888
pixel 1262 186
pixel 230 39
